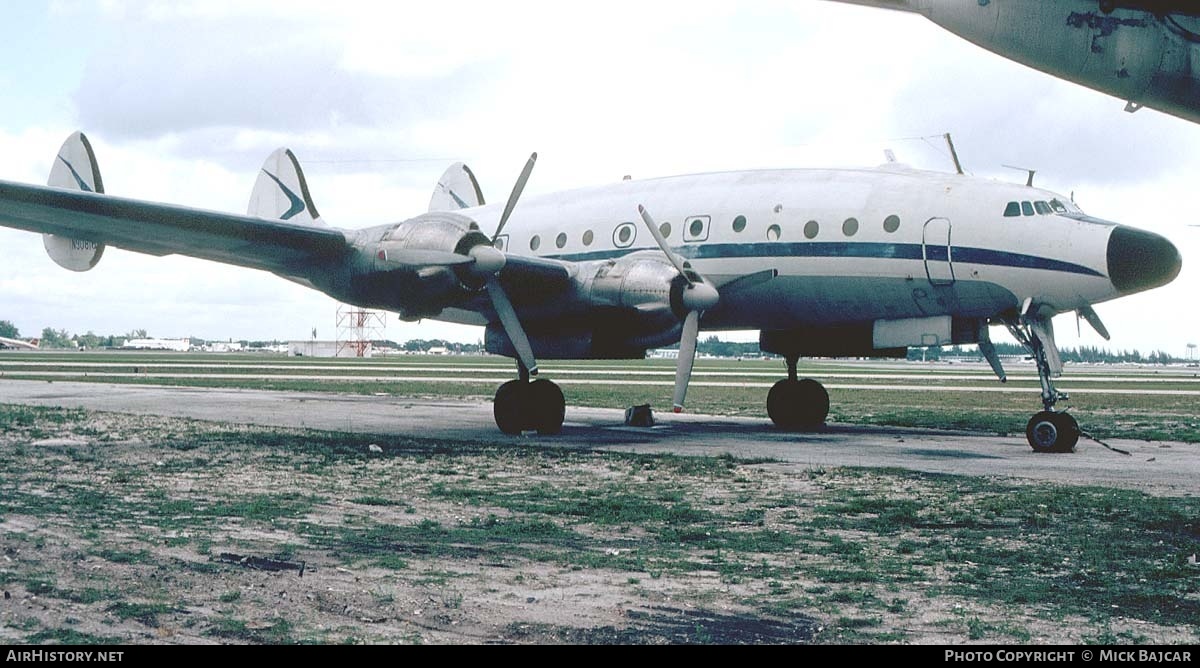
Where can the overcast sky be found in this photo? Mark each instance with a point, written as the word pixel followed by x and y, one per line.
pixel 183 101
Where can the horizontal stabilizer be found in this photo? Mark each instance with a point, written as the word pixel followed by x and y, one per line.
pixel 75 168
pixel 281 192
pixel 457 189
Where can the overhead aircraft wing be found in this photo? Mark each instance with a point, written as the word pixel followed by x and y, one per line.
pixel 164 229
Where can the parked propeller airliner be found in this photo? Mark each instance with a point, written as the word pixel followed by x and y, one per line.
pixel 824 262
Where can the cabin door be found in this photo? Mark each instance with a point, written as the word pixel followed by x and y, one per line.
pixel 935 247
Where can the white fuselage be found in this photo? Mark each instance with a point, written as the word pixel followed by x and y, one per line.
pixel 849 245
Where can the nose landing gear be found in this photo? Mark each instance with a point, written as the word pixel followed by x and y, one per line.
pixel 1049 430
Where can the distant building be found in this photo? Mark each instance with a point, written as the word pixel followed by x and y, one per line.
pixel 325 349
pixel 224 347
pixel 177 345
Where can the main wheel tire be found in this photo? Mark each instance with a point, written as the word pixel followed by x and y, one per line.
pixel 547 406
pixel 1049 431
pixel 510 406
pixel 796 405
pixel 814 404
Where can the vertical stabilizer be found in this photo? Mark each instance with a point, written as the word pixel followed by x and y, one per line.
pixel 281 192
pixel 75 168
pixel 457 189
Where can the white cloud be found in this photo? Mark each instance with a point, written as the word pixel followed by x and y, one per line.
pixel 184 99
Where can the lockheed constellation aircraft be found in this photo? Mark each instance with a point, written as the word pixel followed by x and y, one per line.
pixel 823 262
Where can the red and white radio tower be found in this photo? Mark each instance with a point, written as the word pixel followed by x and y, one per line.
pixel 356 328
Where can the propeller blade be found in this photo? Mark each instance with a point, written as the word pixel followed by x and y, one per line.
pixel 512 325
pixel 422 258
pixel 1093 319
pixel 515 195
pixel 662 243
pixel 687 357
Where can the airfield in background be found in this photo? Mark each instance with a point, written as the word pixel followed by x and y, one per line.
pixel 938 417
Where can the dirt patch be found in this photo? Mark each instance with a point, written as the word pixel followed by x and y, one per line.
pixel 139 529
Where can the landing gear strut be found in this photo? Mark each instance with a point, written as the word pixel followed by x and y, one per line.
pixel 525 405
pixel 795 404
pixel 1049 430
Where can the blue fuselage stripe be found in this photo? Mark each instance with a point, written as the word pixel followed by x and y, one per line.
pixel 862 250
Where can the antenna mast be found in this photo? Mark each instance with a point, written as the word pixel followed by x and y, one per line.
pixel 953 153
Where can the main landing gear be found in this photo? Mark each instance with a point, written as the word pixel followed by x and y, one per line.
pixel 529 405
pixel 1048 430
pixel 797 405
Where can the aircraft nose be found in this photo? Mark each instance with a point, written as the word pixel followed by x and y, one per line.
pixel 1139 260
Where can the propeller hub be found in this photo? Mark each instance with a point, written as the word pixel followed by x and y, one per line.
pixel 488 260
pixel 699 297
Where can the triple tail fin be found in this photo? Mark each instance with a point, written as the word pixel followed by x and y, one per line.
pixel 75 168
pixel 281 191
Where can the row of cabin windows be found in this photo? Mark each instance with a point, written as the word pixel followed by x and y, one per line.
pixel 625 233
pixel 1039 208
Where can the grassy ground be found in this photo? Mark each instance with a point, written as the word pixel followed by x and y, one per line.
pixel 112 529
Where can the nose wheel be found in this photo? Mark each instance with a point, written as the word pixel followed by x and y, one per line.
pixel 521 405
pixel 1051 431
pixel 1048 430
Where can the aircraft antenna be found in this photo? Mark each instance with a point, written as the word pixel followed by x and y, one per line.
pixel 953 153
pixel 1028 181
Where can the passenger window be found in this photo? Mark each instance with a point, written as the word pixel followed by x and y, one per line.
pixel 561 239
pixel 1012 210
pixel 811 228
pixel 665 230
pixel 850 227
pixel 535 242
pixel 624 235
pixel 1027 208
pixel 501 242
pixel 588 237
pixel 773 233
pixel 739 224
pixel 891 223
pixel 696 228
pixel 1043 208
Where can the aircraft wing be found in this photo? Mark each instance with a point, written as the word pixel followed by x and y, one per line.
pixel 163 229
pixel 6 342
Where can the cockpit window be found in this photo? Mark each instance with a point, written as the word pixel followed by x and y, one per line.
pixel 1043 208
pixel 1057 206
pixel 1027 208
pixel 1012 210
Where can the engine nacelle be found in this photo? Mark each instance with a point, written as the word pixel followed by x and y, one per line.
pixel 440 231
pixel 416 267
pixel 644 281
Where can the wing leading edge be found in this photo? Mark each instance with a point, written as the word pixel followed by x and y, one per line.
pixel 165 229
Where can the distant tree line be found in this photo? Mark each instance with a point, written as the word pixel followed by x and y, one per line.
pixel 714 346
pixel 1082 354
